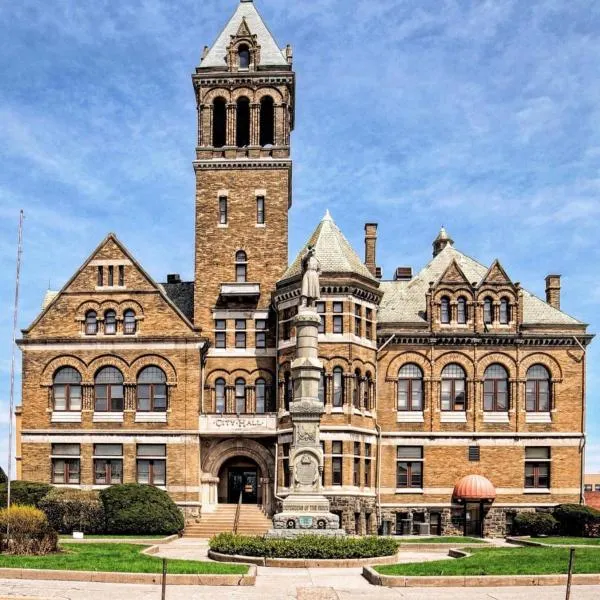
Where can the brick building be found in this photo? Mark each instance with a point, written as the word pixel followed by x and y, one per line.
pixel 452 396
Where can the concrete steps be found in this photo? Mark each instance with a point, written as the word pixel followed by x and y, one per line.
pixel 252 522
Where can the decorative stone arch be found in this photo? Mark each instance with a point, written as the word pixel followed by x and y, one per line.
pixel 265 374
pixel 215 93
pixel 540 358
pixel 404 358
pixel 459 358
pixel 47 377
pixel 339 361
pixel 242 92
pixel 136 307
pixel 109 305
pixel 217 374
pixel 502 358
pixel 231 448
pixel 110 361
pixel 153 360
pixel 268 91
pixel 85 307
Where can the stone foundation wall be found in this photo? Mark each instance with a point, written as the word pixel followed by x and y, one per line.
pixel 357 515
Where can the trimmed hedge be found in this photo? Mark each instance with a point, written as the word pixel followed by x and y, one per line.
pixel 24 493
pixel 578 520
pixel 305 546
pixel 535 524
pixel 140 509
pixel 70 509
pixel 30 532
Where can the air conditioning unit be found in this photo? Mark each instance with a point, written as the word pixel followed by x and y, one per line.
pixel 423 528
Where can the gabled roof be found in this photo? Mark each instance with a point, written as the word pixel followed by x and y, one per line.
pixel 405 301
pixel 496 275
pixel 332 250
pixel 270 54
pixel 51 296
pixel 453 274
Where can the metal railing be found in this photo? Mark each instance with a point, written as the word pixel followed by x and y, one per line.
pixel 238 510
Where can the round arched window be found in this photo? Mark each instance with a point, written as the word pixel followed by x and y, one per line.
pixel 495 389
pixel 537 389
pixel 410 388
pixel 108 389
pixel 152 390
pixel 66 387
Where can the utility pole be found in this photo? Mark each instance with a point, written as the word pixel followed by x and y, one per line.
pixel 11 406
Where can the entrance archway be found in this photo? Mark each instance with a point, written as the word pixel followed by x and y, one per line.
pixel 240 477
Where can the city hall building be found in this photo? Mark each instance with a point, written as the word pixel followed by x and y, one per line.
pixel 453 396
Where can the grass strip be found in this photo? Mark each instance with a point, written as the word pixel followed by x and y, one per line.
pixel 503 561
pixel 568 541
pixel 117 558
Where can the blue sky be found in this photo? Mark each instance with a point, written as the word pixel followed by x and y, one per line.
pixel 483 116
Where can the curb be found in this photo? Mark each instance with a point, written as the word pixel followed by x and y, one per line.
pixel 131 578
pixel 302 563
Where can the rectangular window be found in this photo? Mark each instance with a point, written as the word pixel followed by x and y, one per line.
pixel 495 395
pixel 337 463
pixel 320 306
pixel 151 464
pixel 356 470
pixel 474 453
pixel 368 458
pixel 409 467
pixel 338 324
pixel 537 395
pixel 410 394
pixel 537 467
pixel 260 210
pixel 121 275
pixel 285 451
pixel 223 210
pixel 108 464
pixel 369 323
pixel 240 333
pixel 111 276
pixel 220 333
pixel 65 463
pixel 357 320
pixel 261 333
pixel 453 395
pixel 100 276
pixel 286 325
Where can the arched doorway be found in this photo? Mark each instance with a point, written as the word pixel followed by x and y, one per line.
pixel 240 475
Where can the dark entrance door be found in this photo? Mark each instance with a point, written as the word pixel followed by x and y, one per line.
pixel 474 519
pixel 244 480
pixel 435 523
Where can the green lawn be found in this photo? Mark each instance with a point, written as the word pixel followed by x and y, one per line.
pixel 441 540
pixel 568 541
pixel 503 561
pixel 120 558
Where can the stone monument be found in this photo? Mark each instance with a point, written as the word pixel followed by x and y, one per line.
pixel 306 510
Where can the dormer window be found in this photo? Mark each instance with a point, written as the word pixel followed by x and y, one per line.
pixel 488 311
pixel 445 310
pixel 244 57
pixel 461 311
pixel 504 311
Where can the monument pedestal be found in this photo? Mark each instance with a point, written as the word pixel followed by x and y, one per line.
pixel 306 510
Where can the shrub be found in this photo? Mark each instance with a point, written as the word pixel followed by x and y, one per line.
pixel 577 520
pixel 24 493
pixel 71 510
pixel 29 530
pixel 305 546
pixel 3 477
pixel 140 509
pixel 535 524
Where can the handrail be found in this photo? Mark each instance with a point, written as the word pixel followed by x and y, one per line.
pixel 238 510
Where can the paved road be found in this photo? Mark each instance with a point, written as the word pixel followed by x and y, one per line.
pixel 282 584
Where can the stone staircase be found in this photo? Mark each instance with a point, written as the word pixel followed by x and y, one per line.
pixel 252 522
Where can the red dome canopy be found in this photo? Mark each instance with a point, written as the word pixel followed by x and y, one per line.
pixel 474 487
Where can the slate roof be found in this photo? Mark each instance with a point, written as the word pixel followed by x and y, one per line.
pixel 182 295
pixel 404 301
pixel 270 54
pixel 332 250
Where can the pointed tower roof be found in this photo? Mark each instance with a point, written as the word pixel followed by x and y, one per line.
pixel 332 250
pixel 441 241
pixel 248 18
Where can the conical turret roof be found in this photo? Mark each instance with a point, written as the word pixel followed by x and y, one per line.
pixel 332 250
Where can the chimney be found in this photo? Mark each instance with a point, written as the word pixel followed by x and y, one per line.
pixel 553 291
pixel 403 274
pixel 371 247
pixel 174 278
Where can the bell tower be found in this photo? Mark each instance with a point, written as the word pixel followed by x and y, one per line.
pixel 244 91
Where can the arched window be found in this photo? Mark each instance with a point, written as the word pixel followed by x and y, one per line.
pixel 488 311
pixel 537 389
pixel 110 322
pixel 288 391
pixel 91 322
pixel 461 311
pixel 357 389
pixel 220 396
pixel 66 388
pixel 504 311
pixel 410 388
pixel 219 122
pixel 445 310
pixel 129 322
pixel 243 122
pixel 267 121
pixel 244 57
pixel 495 389
pixel 338 387
pixel 108 390
pixel 368 391
pixel 454 386
pixel 240 396
pixel 322 385
pixel 152 390
pixel 241 267
pixel 261 396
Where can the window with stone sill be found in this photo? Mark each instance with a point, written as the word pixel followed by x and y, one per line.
pixel 410 388
pixel 244 57
pixel 368 463
pixel 220 333
pixel 110 322
pixel 152 390
pixel 222 210
pixel 108 390
pixel 337 472
pixel 241 267
pixel 445 310
pixel 240 333
pixel 537 389
pixel 504 316
pixel 409 467
pixel 65 463
pixel 356 470
pixel 320 306
pixel 91 322
pixel 100 279
pixel 537 467
pixel 462 313
pixel 261 396
pixel 488 311
pixel 261 333
pixel 453 389
pixel 66 390
pixel 357 320
pixel 495 389
pixel 129 323
pixel 152 464
pixel 220 404
pixel 338 387
pixel 111 276
pixel 260 210
pixel 357 389
pixel 240 396
pixel 108 464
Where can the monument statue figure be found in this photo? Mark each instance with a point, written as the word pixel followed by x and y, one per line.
pixel 311 269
